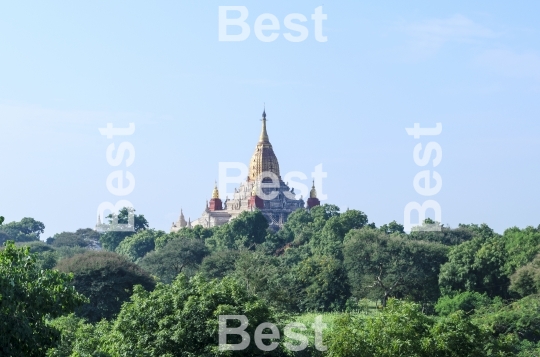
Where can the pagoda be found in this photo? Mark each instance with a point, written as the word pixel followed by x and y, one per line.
pixel 263 190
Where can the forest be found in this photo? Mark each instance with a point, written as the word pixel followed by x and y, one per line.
pixel 456 291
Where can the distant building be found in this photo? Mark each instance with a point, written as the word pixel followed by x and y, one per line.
pixel 275 201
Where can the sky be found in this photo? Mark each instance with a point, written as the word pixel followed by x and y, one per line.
pixel 69 68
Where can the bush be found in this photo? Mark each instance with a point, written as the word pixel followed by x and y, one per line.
pixel 467 302
pixel 521 318
pixel 402 329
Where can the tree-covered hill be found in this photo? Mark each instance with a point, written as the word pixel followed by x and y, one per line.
pixel 463 291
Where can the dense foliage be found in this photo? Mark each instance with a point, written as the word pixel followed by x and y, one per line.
pixel 114 235
pixel 403 330
pixel 27 230
pixel 179 255
pixel 381 266
pixel 465 291
pixel 179 319
pixel 106 279
pixel 29 297
pixel 85 238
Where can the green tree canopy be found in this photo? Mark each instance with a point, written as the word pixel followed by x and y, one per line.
pixel 197 232
pixel 520 317
pixel 321 214
pixel 84 237
pixel 247 230
pixel 27 230
pixel 522 245
pixel 526 280
pixel 136 246
pixel 402 329
pixel 28 297
pixel 447 236
pixel 179 255
pixel 181 319
pixel 382 266
pixel 329 241
pixel 476 265
pixel 467 302
pixel 322 284
pixel 392 227
pixel 68 239
pixel 219 264
pixel 107 279
pixel 111 238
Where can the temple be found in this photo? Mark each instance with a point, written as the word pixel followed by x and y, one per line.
pixel 263 190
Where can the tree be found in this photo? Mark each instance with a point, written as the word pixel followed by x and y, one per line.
pixel 383 266
pixel 80 338
pixel 321 214
pixel 46 255
pixel 522 246
pixel 526 280
pixel 445 235
pixel 27 230
pixel 106 279
pixel 392 227
pixel 295 224
pixel 403 330
pixel 83 237
pixel 29 296
pixel 519 317
pixel 111 239
pixel 266 277
pixel 323 284
pixel 352 219
pixel 219 264
pixel 476 265
pixel 135 247
pixel 177 256
pixel 330 239
pixel 197 232
pixel 68 239
pixel 247 230
pixel 467 302
pixel 181 319
pixel 90 236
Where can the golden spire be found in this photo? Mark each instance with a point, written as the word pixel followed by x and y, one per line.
pixel 263 159
pixel 264 135
pixel 254 190
pixel 215 193
pixel 313 192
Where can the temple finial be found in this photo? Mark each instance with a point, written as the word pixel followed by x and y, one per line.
pixel 264 111
pixel 263 138
pixel 313 192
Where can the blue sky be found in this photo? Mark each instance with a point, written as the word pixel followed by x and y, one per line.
pixel 67 69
